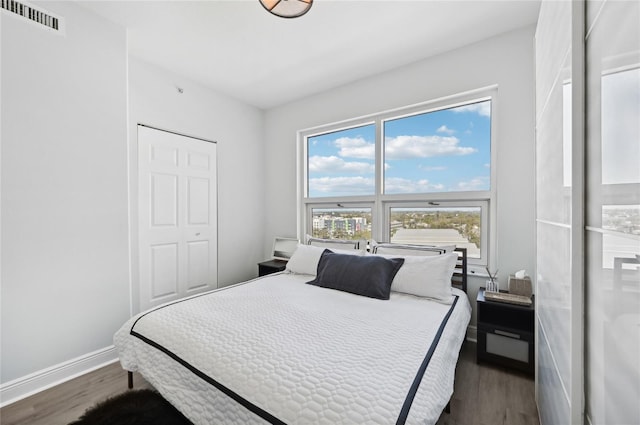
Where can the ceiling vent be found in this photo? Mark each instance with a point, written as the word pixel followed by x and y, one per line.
pixel 33 14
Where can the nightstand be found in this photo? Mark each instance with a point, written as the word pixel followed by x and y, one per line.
pixel 271 266
pixel 506 334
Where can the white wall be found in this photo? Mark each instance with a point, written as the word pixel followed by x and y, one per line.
pixel 65 267
pixel 70 105
pixel 238 130
pixel 506 60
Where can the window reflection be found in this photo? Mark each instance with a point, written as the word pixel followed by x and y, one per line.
pixel 614 278
pixel 612 311
pixel 621 127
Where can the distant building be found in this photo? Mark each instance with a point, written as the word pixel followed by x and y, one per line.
pixel 347 225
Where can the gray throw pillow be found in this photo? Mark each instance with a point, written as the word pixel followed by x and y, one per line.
pixel 367 276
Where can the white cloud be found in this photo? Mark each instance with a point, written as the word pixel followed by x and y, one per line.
pixel 333 164
pixel 477 183
pixel 406 147
pixel 341 185
pixel 481 108
pixel 400 185
pixel 445 129
pixel 355 148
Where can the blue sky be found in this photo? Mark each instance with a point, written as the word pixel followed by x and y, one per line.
pixel 447 150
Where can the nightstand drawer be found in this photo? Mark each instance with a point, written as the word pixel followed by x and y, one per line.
pixel 506 349
pixel 507 346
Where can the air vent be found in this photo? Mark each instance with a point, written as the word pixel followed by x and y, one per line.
pixel 32 13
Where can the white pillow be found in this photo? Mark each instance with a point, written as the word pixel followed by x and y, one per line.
pixel 425 276
pixel 306 257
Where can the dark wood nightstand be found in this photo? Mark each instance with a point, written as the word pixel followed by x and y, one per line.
pixel 271 266
pixel 506 333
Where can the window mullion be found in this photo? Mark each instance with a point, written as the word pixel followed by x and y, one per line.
pixel 379 223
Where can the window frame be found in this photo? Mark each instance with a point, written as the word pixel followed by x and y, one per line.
pixel 380 203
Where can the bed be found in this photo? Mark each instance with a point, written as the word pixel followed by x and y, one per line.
pixel 279 350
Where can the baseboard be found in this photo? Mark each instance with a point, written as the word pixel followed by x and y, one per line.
pixel 472 334
pixel 26 386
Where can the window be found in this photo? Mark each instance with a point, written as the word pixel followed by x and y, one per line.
pixel 436 225
pixel 448 150
pixel 418 175
pixel 341 163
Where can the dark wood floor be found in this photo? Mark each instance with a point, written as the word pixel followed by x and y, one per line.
pixel 489 395
pixel 484 395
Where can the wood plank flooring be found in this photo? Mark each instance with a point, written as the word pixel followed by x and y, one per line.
pixel 68 401
pixel 489 395
pixel 483 395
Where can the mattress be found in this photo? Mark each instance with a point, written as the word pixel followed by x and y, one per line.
pixel 275 350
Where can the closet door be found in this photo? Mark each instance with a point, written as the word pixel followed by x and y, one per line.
pixel 177 216
pixel 559 212
pixel 612 309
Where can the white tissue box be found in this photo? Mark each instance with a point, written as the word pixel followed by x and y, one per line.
pixel 520 286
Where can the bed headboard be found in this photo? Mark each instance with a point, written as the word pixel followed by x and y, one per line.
pixel 459 278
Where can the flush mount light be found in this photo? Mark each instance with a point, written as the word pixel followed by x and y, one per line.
pixel 287 8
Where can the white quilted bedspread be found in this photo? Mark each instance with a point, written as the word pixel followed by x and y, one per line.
pixel 303 354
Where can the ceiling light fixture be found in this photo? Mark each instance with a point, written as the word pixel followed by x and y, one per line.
pixel 287 8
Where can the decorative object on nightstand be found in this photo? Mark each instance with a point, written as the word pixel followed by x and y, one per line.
pixel 492 284
pixel 520 284
pixel 506 333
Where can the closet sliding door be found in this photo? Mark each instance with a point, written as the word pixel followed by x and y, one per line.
pixel 612 316
pixel 559 224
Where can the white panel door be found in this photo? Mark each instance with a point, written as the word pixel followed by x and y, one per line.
pixel 177 216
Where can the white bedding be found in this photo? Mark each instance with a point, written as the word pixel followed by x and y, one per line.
pixel 277 350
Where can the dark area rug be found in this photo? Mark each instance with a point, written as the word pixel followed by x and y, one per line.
pixel 134 407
